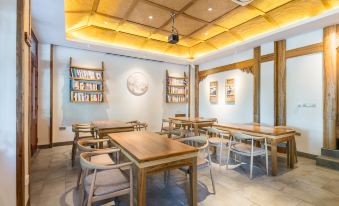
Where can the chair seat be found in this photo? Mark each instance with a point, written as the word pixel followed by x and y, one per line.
pixel 165 128
pixel 103 159
pixel 246 149
pixel 217 141
pixel 202 163
pixel 107 182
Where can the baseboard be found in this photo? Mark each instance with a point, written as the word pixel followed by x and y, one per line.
pixel 307 155
pixel 56 144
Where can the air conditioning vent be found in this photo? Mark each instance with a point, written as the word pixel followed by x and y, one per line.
pixel 242 2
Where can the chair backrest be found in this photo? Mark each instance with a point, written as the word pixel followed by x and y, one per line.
pixel 180 115
pixel 241 136
pixel 199 142
pixel 217 132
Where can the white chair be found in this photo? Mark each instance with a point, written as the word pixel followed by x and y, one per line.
pixel 105 181
pixel 218 138
pixel 240 146
pixel 204 157
pixel 165 125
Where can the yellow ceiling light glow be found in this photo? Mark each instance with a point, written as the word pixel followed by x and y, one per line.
pixel 203 26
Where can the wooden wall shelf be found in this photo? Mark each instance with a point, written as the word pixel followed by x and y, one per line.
pixel 176 89
pixel 86 84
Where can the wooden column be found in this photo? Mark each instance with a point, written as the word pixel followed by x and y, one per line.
pixel 51 64
pixel 196 90
pixel 189 90
pixel 331 86
pixel 280 82
pixel 256 84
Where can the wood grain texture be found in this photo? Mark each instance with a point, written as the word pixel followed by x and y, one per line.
pixel 330 87
pixel 148 146
pixel 189 90
pixel 256 84
pixel 309 49
pixel 280 83
pixel 196 90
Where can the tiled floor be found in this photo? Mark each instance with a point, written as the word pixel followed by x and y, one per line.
pixel 53 182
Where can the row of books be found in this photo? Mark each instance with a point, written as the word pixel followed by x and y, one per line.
pixel 80 85
pixel 86 74
pixel 176 90
pixel 177 81
pixel 176 99
pixel 86 97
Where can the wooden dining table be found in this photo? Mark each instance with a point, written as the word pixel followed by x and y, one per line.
pixel 195 121
pixel 273 135
pixel 152 153
pixel 104 127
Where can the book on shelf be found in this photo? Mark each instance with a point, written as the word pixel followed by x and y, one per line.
pixel 81 85
pixel 86 97
pixel 176 99
pixel 173 81
pixel 86 74
pixel 176 90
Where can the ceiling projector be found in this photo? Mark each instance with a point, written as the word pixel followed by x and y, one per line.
pixel 242 2
pixel 173 38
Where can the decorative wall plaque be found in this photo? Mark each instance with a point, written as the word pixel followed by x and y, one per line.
pixel 214 92
pixel 229 91
pixel 137 83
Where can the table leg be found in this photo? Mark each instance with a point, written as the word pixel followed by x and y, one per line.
pixel 141 187
pixel 196 130
pixel 292 152
pixel 193 183
pixel 274 157
pixel 288 152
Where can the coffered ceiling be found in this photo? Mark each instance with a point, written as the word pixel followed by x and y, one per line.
pixel 203 25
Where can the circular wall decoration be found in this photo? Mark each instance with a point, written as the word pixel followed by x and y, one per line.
pixel 137 84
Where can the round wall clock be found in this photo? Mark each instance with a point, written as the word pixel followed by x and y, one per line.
pixel 137 83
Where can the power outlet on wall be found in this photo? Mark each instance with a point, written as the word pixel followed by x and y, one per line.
pixel 62 128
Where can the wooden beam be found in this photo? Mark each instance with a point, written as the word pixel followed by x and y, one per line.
pixel 267 58
pixel 310 49
pixel 196 90
pixel 237 65
pixel 331 73
pixel 280 82
pixel 51 81
pixel 256 84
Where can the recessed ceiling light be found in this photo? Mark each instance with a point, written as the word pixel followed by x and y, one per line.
pixel 150 17
pixel 206 33
pixel 105 22
pixel 209 9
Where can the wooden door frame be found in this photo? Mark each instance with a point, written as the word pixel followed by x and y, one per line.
pixel 33 38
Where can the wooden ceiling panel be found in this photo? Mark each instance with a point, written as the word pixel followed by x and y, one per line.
pixel 95 34
pixel 135 29
pixel 267 5
pixel 156 46
pixel 160 36
pixel 143 11
pixel 129 40
pixel 117 8
pixel 177 50
pixel 188 42
pixel 172 4
pixel 200 9
pixel 76 20
pixel 78 5
pixel 185 25
pixel 208 32
pixel 296 10
pixel 238 16
pixel 104 21
pixel 223 40
pixel 201 49
pixel 253 28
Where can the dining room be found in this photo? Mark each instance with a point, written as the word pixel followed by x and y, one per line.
pixel 182 102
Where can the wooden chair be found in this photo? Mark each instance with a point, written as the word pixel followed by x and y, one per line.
pixel 285 144
pixel 241 147
pixel 81 131
pixel 165 127
pixel 218 138
pixel 106 181
pixel 204 156
pixel 138 126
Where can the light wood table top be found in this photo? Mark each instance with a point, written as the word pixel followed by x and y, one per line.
pixel 259 129
pixel 192 119
pixel 107 124
pixel 148 146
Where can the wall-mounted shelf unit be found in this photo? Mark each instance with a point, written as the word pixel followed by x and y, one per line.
pixel 176 89
pixel 86 84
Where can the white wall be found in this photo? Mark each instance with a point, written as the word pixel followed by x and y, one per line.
pixel 8 14
pixel 119 104
pixel 304 86
pixel 242 110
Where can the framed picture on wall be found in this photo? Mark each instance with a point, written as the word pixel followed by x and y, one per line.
pixel 214 92
pixel 229 91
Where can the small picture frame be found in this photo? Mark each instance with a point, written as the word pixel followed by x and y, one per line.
pixel 230 91
pixel 214 92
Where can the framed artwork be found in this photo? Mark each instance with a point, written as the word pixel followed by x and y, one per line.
pixel 214 92
pixel 229 91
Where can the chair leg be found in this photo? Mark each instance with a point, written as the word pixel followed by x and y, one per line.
pixel 79 178
pixel 212 179
pixel 74 150
pixel 251 165
pixel 220 152
pixel 266 154
pixel 228 155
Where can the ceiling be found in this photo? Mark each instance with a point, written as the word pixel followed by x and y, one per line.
pixel 204 26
